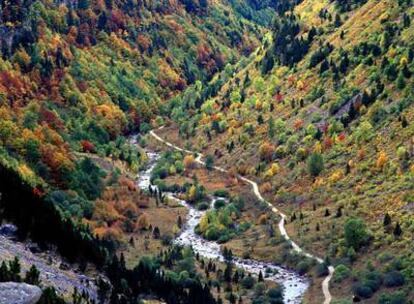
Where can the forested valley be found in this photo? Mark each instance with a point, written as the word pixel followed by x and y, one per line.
pixel 198 151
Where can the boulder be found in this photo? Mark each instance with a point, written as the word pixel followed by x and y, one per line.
pixel 19 293
pixel 8 230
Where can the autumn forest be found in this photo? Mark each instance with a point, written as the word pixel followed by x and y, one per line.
pixel 199 151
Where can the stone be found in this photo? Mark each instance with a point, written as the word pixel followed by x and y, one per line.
pixel 19 293
pixel 8 230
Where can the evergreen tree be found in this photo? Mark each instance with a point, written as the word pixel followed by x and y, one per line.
pixel 271 127
pixel 401 81
pixel 209 162
pixel 32 276
pixel 338 21
pixel 260 278
pixel 4 272
pixel 315 164
pixel 387 220
pixel 397 230
pixel 15 269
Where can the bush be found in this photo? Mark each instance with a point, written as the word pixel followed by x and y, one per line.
pixel 394 279
pixel 259 289
pixel 248 282
pixel 166 239
pixel 392 298
pixel 373 280
pixel 203 206
pixel 363 291
pixel 219 204
pixel 303 267
pixel 221 193
pixel 212 233
pixel 321 270
pixel 275 293
pixel 225 237
pixel 341 273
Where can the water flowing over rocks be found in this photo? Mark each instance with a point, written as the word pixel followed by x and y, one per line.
pixel 294 285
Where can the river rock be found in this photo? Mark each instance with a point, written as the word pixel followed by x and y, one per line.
pixel 19 293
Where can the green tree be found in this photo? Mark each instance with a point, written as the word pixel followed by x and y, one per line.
pixel 397 230
pixel 387 220
pixel 315 164
pixel 400 81
pixel 15 269
pixel 32 276
pixel 209 162
pixel 355 233
pixel 363 132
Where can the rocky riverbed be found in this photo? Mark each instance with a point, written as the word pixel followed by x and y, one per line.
pixel 294 285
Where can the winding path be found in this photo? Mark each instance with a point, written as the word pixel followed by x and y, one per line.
pixel 325 282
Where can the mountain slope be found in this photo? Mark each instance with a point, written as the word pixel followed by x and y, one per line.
pixel 92 71
pixel 321 116
pixel 78 77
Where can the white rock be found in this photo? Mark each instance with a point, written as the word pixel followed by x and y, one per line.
pixel 19 293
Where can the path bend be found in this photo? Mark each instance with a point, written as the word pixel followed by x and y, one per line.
pixel 325 283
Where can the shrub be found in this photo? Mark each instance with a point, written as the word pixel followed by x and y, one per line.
pixel 394 279
pixel 221 193
pixel 363 291
pixel 225 237
pixel 303 267
pixel 341 273
pixel 189 162
pixel 143 222
pixel 166 239
pixel 259 289
pixel 392 298
pixel 219 204
pixel 321 270
pixel 203 206
pixel 301 154
pixel 280 151
pixel 266 151
pixel 212 233
pixel 363 132
pixel 275 293
pixel 248 282
pixel 373 280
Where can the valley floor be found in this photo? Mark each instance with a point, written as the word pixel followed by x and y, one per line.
pixel 255 243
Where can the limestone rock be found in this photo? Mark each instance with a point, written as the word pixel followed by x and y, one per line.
pixel 19 293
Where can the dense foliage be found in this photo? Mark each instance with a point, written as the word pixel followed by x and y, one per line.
pixel 321 116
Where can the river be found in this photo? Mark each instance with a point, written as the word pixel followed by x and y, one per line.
pixel 294 285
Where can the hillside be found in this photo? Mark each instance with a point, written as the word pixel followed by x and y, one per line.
pixel 91 72
pixel 322 117
pixel 310 99
pixel 77 78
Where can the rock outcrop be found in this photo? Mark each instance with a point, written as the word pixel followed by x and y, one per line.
pixel 19 293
